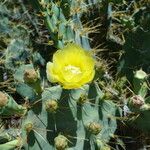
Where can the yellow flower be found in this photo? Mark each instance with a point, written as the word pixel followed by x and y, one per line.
pixel 72 67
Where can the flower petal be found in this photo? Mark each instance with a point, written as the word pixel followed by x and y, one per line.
pixel 50 73
pixel 87 77
pixel 71 86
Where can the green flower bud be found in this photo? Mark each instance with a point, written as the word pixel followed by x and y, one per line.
pixel 29 127
pixel 51 106
pixel 136 101
pixel 61 142
pixel 94 128
pixel 30 76
pixel 3 99
pixel 83 99
pixel 140 74
pixel 139 83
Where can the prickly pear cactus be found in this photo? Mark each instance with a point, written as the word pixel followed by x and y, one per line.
pixel 140 102
pixel 63 20
pixel 136 40
pixel 36 114
pixel 72 119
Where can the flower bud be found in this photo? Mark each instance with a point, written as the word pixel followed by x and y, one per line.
pixel 30 76
pixel 137 101
pixel 83 99
pixel 29 127
pixel 94 128
pixel 139 83
pixel 3 99
pixel 145 107
pixel 140 74
pixel 61 142
pixel 51 106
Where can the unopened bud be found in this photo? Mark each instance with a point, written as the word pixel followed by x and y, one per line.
pixel 61 142
pixel 145 107
pixel 29 127
pixel 137 101
pixel 94 128
pixel 51 106
pixel 83 99
pixel 30 76
pixel 140 74
pixel 3 99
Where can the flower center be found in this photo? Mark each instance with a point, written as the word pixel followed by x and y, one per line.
pixel 73 69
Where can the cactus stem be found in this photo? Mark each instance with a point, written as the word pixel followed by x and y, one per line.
pixel 10 145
